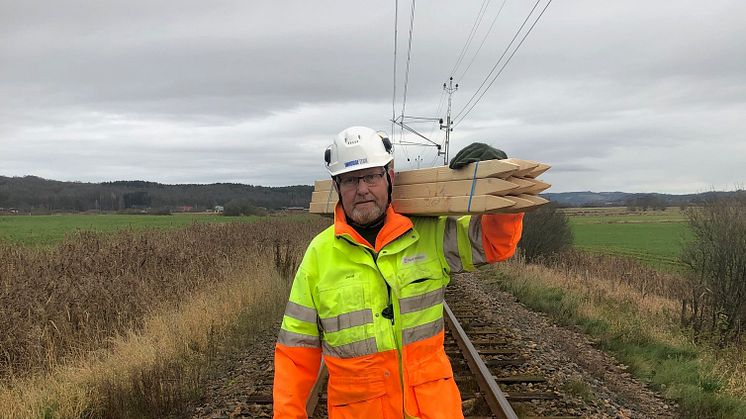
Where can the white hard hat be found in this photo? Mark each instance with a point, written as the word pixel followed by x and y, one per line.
pixel 358 148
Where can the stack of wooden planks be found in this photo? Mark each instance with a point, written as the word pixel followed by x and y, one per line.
pixel 490 186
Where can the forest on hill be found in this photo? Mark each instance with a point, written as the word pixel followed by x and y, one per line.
pixel 31 193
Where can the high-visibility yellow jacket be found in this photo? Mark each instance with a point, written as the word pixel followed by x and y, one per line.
pixel 375 312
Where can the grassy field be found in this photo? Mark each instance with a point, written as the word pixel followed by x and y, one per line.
pixel 655 237
pixel 44 230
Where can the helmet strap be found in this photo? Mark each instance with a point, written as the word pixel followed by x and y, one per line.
pixel 388 179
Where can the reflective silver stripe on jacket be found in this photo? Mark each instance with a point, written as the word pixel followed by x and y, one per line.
pixel 351 350
pixel 475 237
pixel 417 333
pixel 300 312
pixel 421 302
pixel 297 339
pixel 347 320
pixel 450 245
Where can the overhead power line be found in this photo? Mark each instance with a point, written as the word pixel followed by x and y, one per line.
pixel 486 35
pixel 466 111
pixel 465 48
pixel 409 58
pixel 506 62
pixel 507 48
pixel 396 40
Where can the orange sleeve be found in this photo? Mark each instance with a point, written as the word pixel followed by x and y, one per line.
pixel 500 235
pixel 296 369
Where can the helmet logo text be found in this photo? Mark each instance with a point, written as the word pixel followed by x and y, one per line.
pixel 355 162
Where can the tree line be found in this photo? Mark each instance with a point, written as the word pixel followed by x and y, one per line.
pixel 30 193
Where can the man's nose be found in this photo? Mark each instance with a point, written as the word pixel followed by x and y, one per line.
pixel 362 187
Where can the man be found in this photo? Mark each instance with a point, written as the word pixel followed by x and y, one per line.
pixel 369 295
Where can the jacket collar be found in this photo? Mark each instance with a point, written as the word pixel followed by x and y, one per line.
pixel 394 226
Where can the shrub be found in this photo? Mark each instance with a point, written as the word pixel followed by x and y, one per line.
pixel 238 207
pixel 546 231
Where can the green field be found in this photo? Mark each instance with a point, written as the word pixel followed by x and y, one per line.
pixel 655 237
pixel 44 230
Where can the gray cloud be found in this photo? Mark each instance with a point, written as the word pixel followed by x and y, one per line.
pixel 631 96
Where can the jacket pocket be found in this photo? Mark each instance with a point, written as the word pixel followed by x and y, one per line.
pixel 356 397
pixel 434 388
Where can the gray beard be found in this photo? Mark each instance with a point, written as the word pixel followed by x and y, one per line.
pixel 363 217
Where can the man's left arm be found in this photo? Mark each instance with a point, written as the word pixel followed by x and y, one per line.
pixel 472 241
pixel 500 235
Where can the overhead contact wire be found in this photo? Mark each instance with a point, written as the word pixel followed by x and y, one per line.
pixel 396 40
pixel 507 48
pixel 465 48
pixel 486 35
pixel 506 62
pixel 409 59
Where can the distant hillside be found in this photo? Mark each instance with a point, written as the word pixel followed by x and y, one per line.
pixel 615 199
pixel 31 193
pixel 34 193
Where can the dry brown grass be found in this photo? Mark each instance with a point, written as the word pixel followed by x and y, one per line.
pixel 617 270
pixel 631 296
pixel 125 323
pixel 593 288
pixel 730 368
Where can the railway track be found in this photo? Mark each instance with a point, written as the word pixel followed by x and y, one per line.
pixel 490 367
pixel 535 367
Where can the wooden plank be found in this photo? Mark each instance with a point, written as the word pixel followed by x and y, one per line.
pixel 524 203
pixel 323 203
pixel 523 185
pixel 451 205
pixel 324 197
pixel 538 170
pixel 536 201
pixel 487 186
pixel 531 395
pixel 322 207
pixel 538 186
pixel 487 168
pixel 322 185
pixel 435 206
pixel 520 203
pixel 513 379
pixel 524 166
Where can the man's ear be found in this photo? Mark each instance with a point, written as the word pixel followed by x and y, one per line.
pixel 391 176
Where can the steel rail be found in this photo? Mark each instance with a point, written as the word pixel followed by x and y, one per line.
pixel 495 398
pixel 313 397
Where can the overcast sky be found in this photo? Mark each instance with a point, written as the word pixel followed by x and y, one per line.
pixel 633 96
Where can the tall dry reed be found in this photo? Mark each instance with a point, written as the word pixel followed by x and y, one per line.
pixel 621 270
pixel 60 302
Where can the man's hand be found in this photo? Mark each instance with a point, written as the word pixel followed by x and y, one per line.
pixel 476 152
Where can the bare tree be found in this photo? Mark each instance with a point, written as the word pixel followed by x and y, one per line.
pixel 716 259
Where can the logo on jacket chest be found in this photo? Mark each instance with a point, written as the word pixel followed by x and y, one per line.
pixel 408 260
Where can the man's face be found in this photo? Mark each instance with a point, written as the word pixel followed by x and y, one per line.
pixel 364 194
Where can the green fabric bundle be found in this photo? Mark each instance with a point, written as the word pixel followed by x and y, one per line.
pixel 476 152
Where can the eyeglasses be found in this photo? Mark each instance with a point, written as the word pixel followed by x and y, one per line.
pixel 350 182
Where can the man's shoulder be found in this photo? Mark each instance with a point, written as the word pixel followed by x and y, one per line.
pixel 426 222
pixel 324 238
